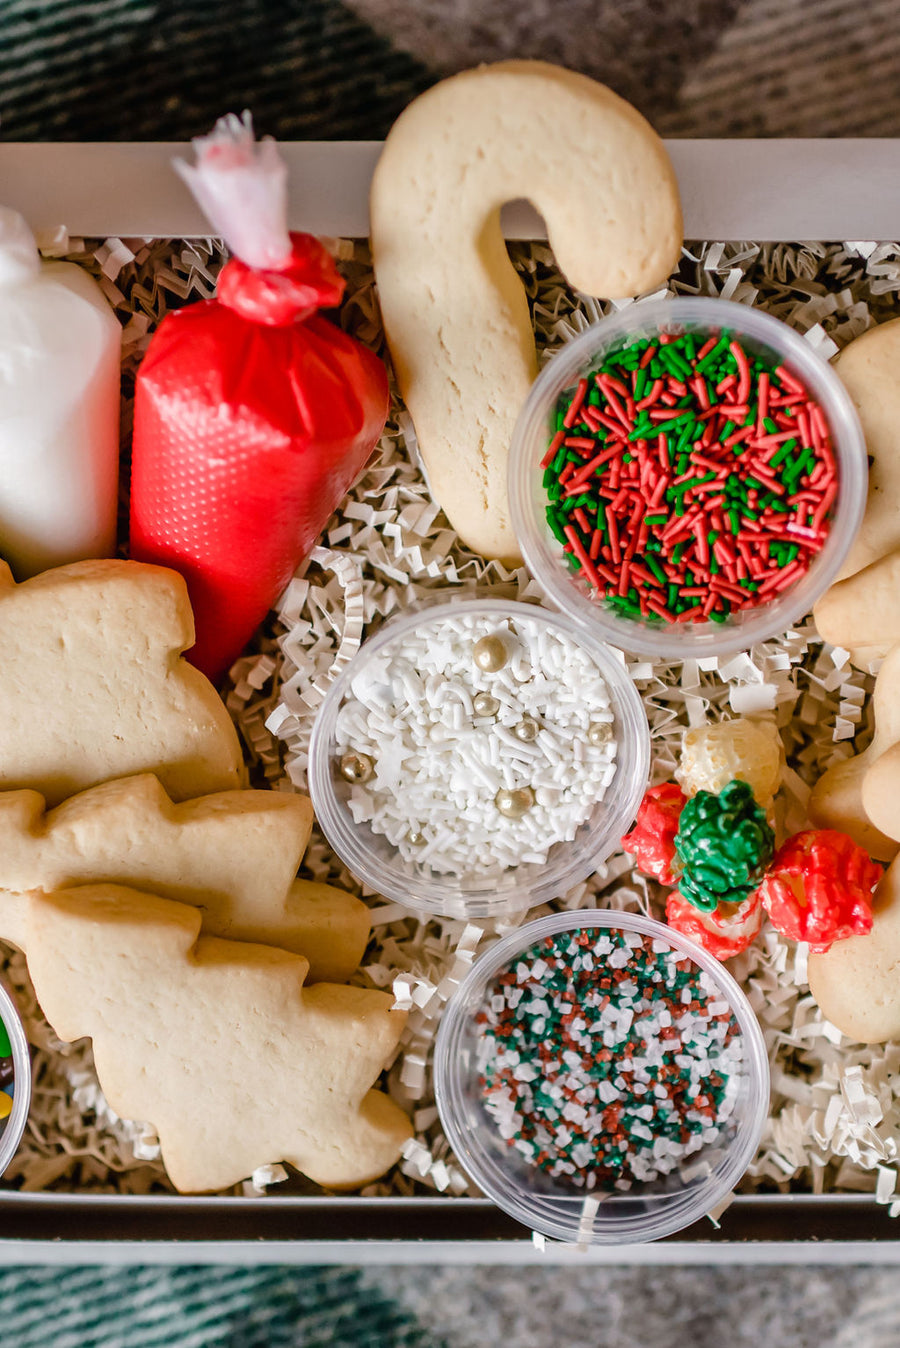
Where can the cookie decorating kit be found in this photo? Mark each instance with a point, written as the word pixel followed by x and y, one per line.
pixel 834 191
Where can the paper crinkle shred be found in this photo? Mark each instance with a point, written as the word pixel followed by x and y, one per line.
pixel 835 1118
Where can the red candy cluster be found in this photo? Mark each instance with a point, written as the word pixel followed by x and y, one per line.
pixel 652 840
pixel 818 887
pixel 725 932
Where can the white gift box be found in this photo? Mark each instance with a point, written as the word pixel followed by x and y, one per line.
pixel 753 190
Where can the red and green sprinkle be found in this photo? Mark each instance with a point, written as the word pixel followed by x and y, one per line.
pixel 7 1077
pixel 608 1057
pixel 688 479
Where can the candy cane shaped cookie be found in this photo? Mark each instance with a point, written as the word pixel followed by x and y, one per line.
pixel 455 313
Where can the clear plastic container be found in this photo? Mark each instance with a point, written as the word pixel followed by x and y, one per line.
pixel 548 1205
pixel 13 1126
pixel 758 332
pixel 375 861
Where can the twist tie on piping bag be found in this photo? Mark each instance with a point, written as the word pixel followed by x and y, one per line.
pixel 273 277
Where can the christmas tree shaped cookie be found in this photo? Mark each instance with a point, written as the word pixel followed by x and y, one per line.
pixel 93 686
pixel 233 854
pixel 217 1043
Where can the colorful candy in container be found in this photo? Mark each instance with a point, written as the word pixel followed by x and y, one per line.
pixel 602 1079
pixel 59 409
pixel 15 1078
pixel 7 1076
pixel 254 415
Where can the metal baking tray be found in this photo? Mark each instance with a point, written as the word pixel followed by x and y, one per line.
pixel 751 189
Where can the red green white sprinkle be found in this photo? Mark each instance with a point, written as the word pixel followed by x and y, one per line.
pixel 688 479
pixel 607 1058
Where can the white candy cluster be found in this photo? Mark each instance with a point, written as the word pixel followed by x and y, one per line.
pixel 714 755
pixel 441 768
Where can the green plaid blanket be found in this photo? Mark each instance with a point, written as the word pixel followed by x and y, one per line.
pixel 208 1307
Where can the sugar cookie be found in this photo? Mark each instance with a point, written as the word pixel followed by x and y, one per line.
pixel 880 791
pixel 862 613
pixel 455 314
pixel 92 684
pixel 855 983
pixel 234 855
pixel 866 590
pixel 836 800
pixel 217 1043
pixel 868 369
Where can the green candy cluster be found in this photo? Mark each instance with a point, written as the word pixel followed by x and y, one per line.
pixel 724 844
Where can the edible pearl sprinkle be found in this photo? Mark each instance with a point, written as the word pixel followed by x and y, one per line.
pixel 599 732
pixel 357 767
pixel 490 654
pixel 527 729
pixel 513 804
pixel 414 709
pixel 485 704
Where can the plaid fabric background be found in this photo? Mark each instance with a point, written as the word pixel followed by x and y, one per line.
pixel 426 1306
pixel 323 69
